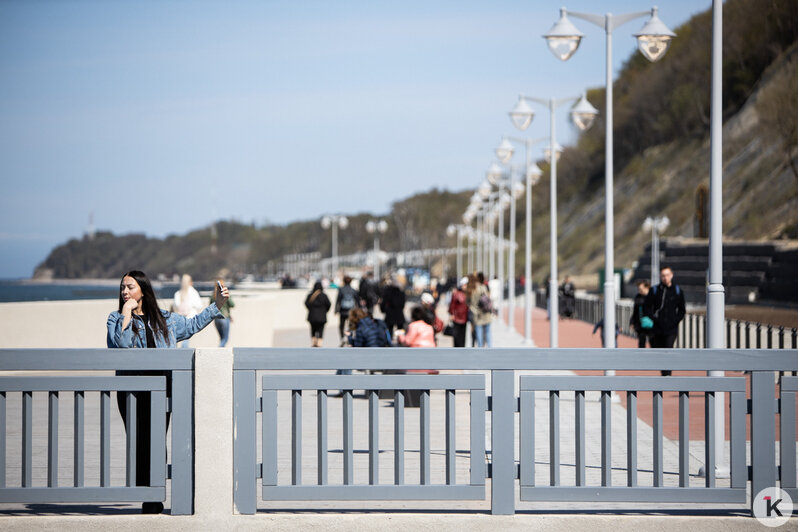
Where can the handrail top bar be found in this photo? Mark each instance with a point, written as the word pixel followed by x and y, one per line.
pixel 375 382
pixel 82 384
pixel 630 383
pixel 96 359
pixel 253 358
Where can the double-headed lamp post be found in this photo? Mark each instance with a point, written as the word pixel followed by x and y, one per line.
pixel 335 221
pixel 496 177
pixel 376 227
pixel 653 40
pixel 516 190
pixel 474 213
pixel 459 231
pixel 505 152
pixel 470 215
pixel 582 115
pixel 488 219
pixel 657 226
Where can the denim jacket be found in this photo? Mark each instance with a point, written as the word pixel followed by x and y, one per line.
pixel 180 328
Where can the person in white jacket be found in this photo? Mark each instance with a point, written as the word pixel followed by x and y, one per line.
pixel 187 301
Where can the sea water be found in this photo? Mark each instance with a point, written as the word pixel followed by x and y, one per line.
pixel 26 290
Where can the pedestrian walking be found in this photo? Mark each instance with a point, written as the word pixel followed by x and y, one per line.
pixel 664 305
pixel 458 310
pixel 187 301
pixel 393 305
pixel 428 304
pixel 568 295
pixel 223 322
pixel 368 292
pixel 140 323
pixel 344 303
pixel 481 305
pixel 318 304
pixel 599 327
pixel 638 321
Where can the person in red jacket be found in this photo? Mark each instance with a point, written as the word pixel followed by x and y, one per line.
pixel 458 310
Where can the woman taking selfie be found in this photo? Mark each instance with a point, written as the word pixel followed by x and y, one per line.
pixel 140 323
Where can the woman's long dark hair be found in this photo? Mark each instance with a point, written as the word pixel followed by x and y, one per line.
pixel 152 313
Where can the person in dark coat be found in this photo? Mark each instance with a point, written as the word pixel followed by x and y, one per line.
pixel 318 304
pixel 346 301
pixel 366 331
pixel 665 306
pixel 636 321
pixel 568 295
pixel 393 305
pixel 368 292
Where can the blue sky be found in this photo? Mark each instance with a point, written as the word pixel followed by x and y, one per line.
pixel 159 117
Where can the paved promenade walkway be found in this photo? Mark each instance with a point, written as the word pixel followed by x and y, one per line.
pixel 408 515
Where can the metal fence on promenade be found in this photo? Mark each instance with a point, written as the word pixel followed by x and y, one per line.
pixel 740 334
pixel 27 375
pixel 301 433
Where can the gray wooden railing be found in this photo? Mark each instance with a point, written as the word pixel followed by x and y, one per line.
pixel 504 368
pixel 740 334
pixel 512 397
pixel 19 367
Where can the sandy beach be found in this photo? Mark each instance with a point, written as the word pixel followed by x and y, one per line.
pixel 82 324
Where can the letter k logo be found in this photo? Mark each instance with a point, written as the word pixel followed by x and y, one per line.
pixel 772 506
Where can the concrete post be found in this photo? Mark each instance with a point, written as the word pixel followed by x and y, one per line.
pixel 213 437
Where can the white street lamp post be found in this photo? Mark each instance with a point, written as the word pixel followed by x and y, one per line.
pixel 498 212
pixel 657 226
pixel 653 41
pixel 459 231
pixel 471 244
pixel 716 296
pixel 468 216
pixel 335 221
pixel 488 218
pixel 516 189
pixel 480 240
pixel 505 152
pixel 495 178
pixel 491 257
pixel 583 117
pixel 376 227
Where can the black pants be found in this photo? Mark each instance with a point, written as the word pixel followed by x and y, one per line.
pixel 143 416
pixel 665 340
pixel 459 335
pixel 317 329
pixel 342 323
pixel 642 337
pixel 394 323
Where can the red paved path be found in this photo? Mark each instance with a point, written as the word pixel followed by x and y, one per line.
pixel 573 333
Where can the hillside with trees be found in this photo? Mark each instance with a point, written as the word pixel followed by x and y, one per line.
pixel 661 168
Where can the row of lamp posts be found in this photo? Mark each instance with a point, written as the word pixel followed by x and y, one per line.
pixel 653 41
pixel 374 227
pixel 563 40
